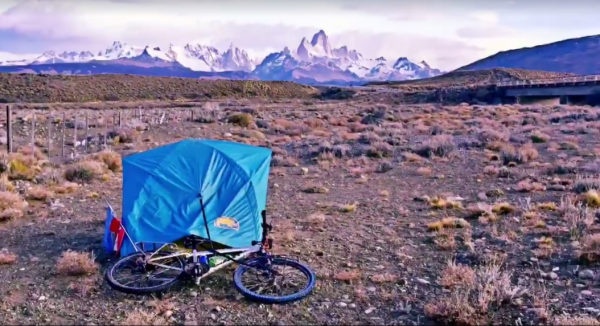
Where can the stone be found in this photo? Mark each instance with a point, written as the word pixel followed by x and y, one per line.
pixel 586 274
pixel 422 281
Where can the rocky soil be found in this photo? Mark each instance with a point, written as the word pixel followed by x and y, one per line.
pixel 409 214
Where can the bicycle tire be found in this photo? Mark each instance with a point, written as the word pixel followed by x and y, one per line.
pixel 140 291
pixel 312 281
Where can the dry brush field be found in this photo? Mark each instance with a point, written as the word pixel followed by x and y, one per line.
pixel 408 214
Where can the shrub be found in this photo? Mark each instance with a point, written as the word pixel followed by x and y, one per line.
pixel 11 206
pixel 526 153
pixel 39 193
pixel 585 184
pixel 440 145
pixel 209 114
pixel 123 135
pixel 380 150
pixel 84 171
pixel 111 159
pixel 22 167
pixel 7 258
pixel 240 119
pixel 538 137
pixel 74 263
pixel 384 167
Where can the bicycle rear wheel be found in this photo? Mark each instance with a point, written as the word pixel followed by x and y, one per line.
pixel 134 275
pixel 275 280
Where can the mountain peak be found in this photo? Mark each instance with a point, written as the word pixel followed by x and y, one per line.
pixel 320 43
pixel 304 50
pixel 321 33
pixel 117 44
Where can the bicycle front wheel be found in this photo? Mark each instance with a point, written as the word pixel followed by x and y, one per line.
pixel 134 274
pixel 282 280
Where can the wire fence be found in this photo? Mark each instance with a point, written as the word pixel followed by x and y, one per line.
pixel 63 135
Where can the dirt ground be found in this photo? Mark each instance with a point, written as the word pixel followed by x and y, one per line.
pixel 408 215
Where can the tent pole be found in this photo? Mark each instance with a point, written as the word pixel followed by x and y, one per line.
pixel 205 222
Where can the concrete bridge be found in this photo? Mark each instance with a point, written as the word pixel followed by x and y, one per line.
pixel 568 90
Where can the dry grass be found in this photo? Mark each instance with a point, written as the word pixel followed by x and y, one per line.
pixel 503 208
pixel 39 193
pixel 74 263
pixel 576 320
pixel 84 171
pixel 448 223
pixel 11 206
pixel 66 188
pixel 444 203
pixel 143 318
pixel 586 183
pixel 474 293
pixel 240 119
pixel 111 159
pixel 7 258
pixel 457 275
pixel 590 249
pixel 315 189
pixel 348 276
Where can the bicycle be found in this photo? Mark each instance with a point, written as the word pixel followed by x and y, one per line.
pixel 197 264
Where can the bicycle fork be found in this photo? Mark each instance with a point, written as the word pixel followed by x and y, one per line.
pixel 197 268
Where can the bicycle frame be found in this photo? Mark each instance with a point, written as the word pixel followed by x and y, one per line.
pixel 241 254
pixel 257 246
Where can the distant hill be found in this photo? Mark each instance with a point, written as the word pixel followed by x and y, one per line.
pixel 39 88
pixel 580 56
pixel 471 78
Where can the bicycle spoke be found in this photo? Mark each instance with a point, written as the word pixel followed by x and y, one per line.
pixel 276 280
pixel 137 273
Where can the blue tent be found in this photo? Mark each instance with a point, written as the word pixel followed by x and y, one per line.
pixel 162 189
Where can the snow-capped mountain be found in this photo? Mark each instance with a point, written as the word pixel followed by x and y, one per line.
pixel 197 57
pixel 314 61
pixel 319 60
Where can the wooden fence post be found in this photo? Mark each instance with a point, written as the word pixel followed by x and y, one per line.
pixel 49 132
pixel 33 134
pixel 86 131
pixel 75 134
pixel 105 134
pixel 62 138
pixel 8 129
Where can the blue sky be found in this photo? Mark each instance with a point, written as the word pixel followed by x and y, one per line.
pixel 446 34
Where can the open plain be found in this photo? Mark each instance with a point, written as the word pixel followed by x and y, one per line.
pixel 409 214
